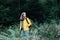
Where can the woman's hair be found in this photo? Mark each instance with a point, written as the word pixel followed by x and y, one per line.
pixel 22 17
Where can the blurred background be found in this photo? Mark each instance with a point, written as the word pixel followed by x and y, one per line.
pixel 44 14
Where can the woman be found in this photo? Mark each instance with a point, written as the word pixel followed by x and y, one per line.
pixel 24 25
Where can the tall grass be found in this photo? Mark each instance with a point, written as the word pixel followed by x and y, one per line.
pixel 45 31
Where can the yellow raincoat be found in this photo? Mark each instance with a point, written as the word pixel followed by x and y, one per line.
pixel 25 24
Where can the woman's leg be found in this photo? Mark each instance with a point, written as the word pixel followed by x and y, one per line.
pixel 27 34
pixel 22 33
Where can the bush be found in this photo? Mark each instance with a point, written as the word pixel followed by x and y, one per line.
pixel 45 31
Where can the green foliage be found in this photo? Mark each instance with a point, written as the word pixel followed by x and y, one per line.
pixel 45 9
pixel 46 31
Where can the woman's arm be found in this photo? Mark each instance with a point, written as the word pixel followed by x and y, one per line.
pixel 29 21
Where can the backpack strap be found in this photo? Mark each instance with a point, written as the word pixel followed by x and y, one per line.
pixel 27 21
